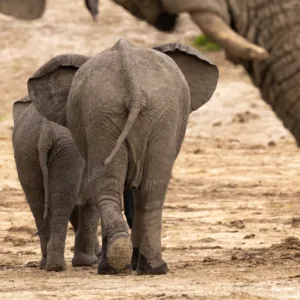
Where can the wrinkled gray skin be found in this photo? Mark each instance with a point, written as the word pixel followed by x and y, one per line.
pixel 127 109
pixel 34 9
pixel 50 170
pixel 271 24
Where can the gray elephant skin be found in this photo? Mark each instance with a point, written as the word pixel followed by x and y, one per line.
pixel 34 9
pixel 51 172
pixel 262 35
pixel 127 110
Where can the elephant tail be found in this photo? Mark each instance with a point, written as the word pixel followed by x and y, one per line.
pixel 44 146
pixel 133 114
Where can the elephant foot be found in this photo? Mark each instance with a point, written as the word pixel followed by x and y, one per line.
pixel 82 259
pixel 119 251
pixel 43 263
pixel 104 268
pixel 55 266
pixel 144 267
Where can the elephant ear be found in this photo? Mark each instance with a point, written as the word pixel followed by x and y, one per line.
pixel 19 106
pixel 201 75
pixel 49 87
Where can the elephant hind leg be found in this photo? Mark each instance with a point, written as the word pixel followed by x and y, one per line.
pixel 87 246
pixel 146 232
pixel 107 190
pixel 36 201
pixel 60 213
pixel 62 199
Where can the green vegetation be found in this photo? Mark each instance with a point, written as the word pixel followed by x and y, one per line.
pixel 205 44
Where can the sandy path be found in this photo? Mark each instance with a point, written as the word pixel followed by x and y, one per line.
pixel 232 202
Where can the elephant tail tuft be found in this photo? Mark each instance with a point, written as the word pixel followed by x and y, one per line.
pixel 133 114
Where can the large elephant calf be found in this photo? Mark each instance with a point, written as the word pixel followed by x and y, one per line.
pixel 127 109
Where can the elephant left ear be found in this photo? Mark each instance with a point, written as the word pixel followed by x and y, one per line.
pixel 201 75
pixel 49 86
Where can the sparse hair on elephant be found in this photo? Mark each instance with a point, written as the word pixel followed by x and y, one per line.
pixel 262 35
pixel 34 9
pixel 50 170
pixel 127 109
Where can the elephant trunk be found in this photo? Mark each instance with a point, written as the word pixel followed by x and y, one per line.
pixel 213 17
pixel 233 43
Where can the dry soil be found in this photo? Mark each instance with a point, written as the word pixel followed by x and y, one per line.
pixel 231 216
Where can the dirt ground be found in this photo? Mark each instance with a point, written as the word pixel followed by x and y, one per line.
pixel 232 213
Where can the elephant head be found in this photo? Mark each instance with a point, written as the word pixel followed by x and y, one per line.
pixel 49 87
pixel 34 9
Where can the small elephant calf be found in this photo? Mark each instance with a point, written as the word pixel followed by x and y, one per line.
pixel 51 172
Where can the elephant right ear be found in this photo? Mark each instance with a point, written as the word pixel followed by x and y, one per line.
pixel 19 106
pixel 201 75
pixel 49 87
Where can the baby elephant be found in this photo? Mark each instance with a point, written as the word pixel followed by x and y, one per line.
pixel 50 170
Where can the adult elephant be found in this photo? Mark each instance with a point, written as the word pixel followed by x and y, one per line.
pixel 127 109
pixel 263 35
pixel 34 9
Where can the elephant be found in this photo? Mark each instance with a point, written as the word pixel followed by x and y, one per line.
pixel 51 172
pixel 261 35
pixel 127 109
pixel 34 9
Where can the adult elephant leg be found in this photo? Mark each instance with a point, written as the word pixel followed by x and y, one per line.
pixel 87 246
pixel 149 250
pixel 104 267
pixel 147 225
pixel 36 201
pixel 107 189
